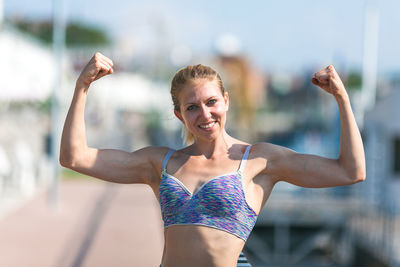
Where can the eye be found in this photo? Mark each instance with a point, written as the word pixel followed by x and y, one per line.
pixel 191 107
pixel 212 101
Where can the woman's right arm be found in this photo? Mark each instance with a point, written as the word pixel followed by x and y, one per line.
pixel 106 164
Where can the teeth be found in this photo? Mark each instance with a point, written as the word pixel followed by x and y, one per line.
pixel 207 125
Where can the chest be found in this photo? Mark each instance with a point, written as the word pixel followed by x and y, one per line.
pixel 219 182
pixel 192 174
pixel 220 202
pixel 223 191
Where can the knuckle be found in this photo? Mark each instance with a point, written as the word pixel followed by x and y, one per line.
pixel 97 55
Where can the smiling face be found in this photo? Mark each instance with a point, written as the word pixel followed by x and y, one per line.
pixel 203 108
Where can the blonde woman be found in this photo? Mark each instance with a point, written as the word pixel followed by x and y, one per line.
pixel 212 190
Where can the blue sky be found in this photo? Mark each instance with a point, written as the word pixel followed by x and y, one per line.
pixel 276 35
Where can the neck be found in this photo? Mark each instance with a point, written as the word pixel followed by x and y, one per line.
pixel 213 148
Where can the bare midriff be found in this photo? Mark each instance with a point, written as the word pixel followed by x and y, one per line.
pixel 197 245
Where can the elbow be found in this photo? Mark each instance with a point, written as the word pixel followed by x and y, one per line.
pixel 64 156
pixel 363 176
pixel 72 159
pixel 357 178
pixel 63 163
pixel 66 160
pixel 354 174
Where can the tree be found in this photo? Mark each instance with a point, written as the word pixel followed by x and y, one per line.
pixel 77 34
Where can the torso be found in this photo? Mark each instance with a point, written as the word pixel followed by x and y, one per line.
pixel 209 246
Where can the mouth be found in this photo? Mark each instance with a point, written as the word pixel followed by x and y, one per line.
pixel 207 126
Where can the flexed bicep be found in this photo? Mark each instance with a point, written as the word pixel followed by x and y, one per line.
pixel 142 166
pixel 306 170
pixel 310 171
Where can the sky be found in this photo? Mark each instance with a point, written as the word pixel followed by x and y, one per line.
pixel 285 35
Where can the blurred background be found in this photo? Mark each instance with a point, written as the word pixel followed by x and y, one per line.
pixel 266 53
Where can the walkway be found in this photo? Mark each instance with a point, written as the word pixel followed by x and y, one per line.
pixel 96 224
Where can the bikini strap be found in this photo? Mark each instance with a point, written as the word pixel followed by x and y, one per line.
pixel 166 158
pixel 244 159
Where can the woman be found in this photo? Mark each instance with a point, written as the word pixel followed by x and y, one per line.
pixel 207 220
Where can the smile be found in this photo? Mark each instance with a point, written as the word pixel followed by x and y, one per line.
pixel 207 126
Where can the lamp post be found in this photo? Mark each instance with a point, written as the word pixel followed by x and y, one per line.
pixel 370 57
pixel 58 51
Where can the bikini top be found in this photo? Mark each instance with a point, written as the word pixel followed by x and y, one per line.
pixel 219 203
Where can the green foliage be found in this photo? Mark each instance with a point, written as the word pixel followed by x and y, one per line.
pixel 354 80
pixel 45 106
pixel 41 30
pixel 76 34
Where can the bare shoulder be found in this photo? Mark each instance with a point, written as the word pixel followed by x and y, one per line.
pixel 271 157
pixel 270 151
pixel 155 156
pixel 154 153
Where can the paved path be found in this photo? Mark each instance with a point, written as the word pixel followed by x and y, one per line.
pixel 96 224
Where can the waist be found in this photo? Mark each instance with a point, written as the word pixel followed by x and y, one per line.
pixel 209 245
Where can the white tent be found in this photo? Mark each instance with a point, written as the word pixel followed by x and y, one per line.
pixel 26 68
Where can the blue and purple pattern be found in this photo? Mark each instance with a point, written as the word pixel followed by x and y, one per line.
pixel 219 203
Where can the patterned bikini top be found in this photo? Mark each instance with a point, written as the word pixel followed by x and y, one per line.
pixel 219 203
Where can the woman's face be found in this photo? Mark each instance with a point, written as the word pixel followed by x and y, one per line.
pixel 203 108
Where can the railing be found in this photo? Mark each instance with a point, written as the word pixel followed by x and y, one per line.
pixel 377 230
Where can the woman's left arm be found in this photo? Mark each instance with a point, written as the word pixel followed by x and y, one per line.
pixel 315 171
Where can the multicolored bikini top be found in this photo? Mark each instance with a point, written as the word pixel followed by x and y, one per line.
pixel 219 203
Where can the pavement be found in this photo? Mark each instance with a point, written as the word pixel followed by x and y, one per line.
pixel 94 224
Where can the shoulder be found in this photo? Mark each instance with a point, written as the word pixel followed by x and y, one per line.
pixel 274 155
pixel 153 150
pixel 150 158
pixel 154 154
pixel 269 150
pixel 279 159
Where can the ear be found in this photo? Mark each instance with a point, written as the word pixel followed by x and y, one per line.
pixel 179 116
pixel 226 98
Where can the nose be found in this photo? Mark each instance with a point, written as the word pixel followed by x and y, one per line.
pixel 205 112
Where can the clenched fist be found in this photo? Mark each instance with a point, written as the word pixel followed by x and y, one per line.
pixel 329 80
pixel 98 66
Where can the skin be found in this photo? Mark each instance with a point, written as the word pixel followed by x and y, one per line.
pixel 213 153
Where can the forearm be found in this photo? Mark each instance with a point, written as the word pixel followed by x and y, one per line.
pixel 351 157
pixel 73 140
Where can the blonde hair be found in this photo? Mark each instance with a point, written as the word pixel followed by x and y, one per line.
pixel 183 77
